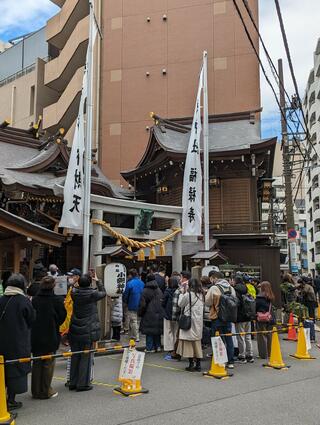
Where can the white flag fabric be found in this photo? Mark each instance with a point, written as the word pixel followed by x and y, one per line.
pixel 72 214
pixel 192 180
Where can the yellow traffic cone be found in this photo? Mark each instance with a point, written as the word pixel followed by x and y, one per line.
pixel 5 417
pixel 130 387
pixel 275 360
pixel 302 353
pixel 217 371
pixel 318 312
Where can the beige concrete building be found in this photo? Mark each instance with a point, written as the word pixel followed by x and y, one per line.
pixel 148 60
pixel 151 57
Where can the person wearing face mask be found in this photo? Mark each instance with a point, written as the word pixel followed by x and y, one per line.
pixel 16 318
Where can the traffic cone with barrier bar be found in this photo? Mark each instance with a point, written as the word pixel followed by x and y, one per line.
pixel 302 352
pixel 5 417
pixel 130 387
pixel 292 333
pixel 217 371
pixel 275 360
pixel 318 312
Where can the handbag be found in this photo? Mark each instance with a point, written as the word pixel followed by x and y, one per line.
pixel 185 321
pixel 264 317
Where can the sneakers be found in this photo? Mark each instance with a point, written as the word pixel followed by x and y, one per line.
pixel 168 357
pixel 230 366
pixel 250 359
pixel 241 360
pixel 54 395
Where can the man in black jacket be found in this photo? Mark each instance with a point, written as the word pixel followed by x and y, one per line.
pixel 84 330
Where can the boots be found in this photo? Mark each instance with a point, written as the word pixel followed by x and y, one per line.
pixel 198 366
pixel 190 368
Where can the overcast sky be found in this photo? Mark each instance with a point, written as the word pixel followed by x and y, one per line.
pixel 301 20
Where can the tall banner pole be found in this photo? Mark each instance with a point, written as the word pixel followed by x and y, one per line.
pixel 88 150
pixel 206 153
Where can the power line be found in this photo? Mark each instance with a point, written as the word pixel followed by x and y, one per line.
pixel 271 63
pixel 263 70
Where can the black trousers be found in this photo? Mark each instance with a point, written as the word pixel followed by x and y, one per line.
pixel 116 332
pixel 81 364
pixel 42 374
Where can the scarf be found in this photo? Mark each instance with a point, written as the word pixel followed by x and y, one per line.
pixel 12 290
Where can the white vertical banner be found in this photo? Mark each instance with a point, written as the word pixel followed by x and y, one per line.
pixel 74 186
pixel 192 180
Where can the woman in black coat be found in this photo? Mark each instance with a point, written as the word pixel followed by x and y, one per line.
pixel 84 330
pixel 264 302
pixel 45 336
pixel 16 318
pixel 152 314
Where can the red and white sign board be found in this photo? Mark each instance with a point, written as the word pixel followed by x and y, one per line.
pixel 131 364
pixel 219 350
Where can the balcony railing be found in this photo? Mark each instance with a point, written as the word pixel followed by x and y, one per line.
pixel 256 227
pixel 21 73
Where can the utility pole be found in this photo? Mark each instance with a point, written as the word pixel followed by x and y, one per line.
pixel 292 246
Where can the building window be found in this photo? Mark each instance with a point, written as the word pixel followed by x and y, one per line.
pixel 316 204
pixel 312 254
pixel 32 96
pixel 315 182
pixel 317 225
pixel 310 214
pixel 311 234
pixel 317 248
pixel 283 244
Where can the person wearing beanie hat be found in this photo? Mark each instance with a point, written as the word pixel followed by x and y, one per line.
pixel 45 336
pixel 16 318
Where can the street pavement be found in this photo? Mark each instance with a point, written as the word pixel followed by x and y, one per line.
pixel 253 396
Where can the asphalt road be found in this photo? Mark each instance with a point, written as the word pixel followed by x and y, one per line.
pixel 253 396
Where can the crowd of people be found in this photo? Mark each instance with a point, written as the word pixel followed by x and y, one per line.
pixel 178 314
pixel 188 311
pixel 32 321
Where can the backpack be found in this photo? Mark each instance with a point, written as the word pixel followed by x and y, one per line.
pixel 249 307
pixel 228 306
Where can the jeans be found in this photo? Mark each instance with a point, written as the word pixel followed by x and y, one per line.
pixel 224 327
pixel 153 342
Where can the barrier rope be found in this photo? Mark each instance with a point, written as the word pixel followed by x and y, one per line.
pixel 66 354
pixel 119 347
pixel 133 243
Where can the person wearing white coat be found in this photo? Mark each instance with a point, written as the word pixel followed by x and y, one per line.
pixel 190 340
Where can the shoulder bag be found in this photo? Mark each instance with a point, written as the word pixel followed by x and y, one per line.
pixel 265 317
pixel 185 321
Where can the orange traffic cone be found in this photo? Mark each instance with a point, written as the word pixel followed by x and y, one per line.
pixel 292 333
pixel 130 387
pixel 217 371
pixel 275 360
pixel 302 352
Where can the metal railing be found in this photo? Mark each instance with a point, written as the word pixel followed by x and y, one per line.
pixel 241 227
pixel 21 73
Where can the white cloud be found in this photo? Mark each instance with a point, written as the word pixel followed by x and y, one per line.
pixel 19 16
pixel 301 19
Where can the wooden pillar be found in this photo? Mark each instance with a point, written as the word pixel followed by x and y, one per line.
pixel 177 249
pixel 16 256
